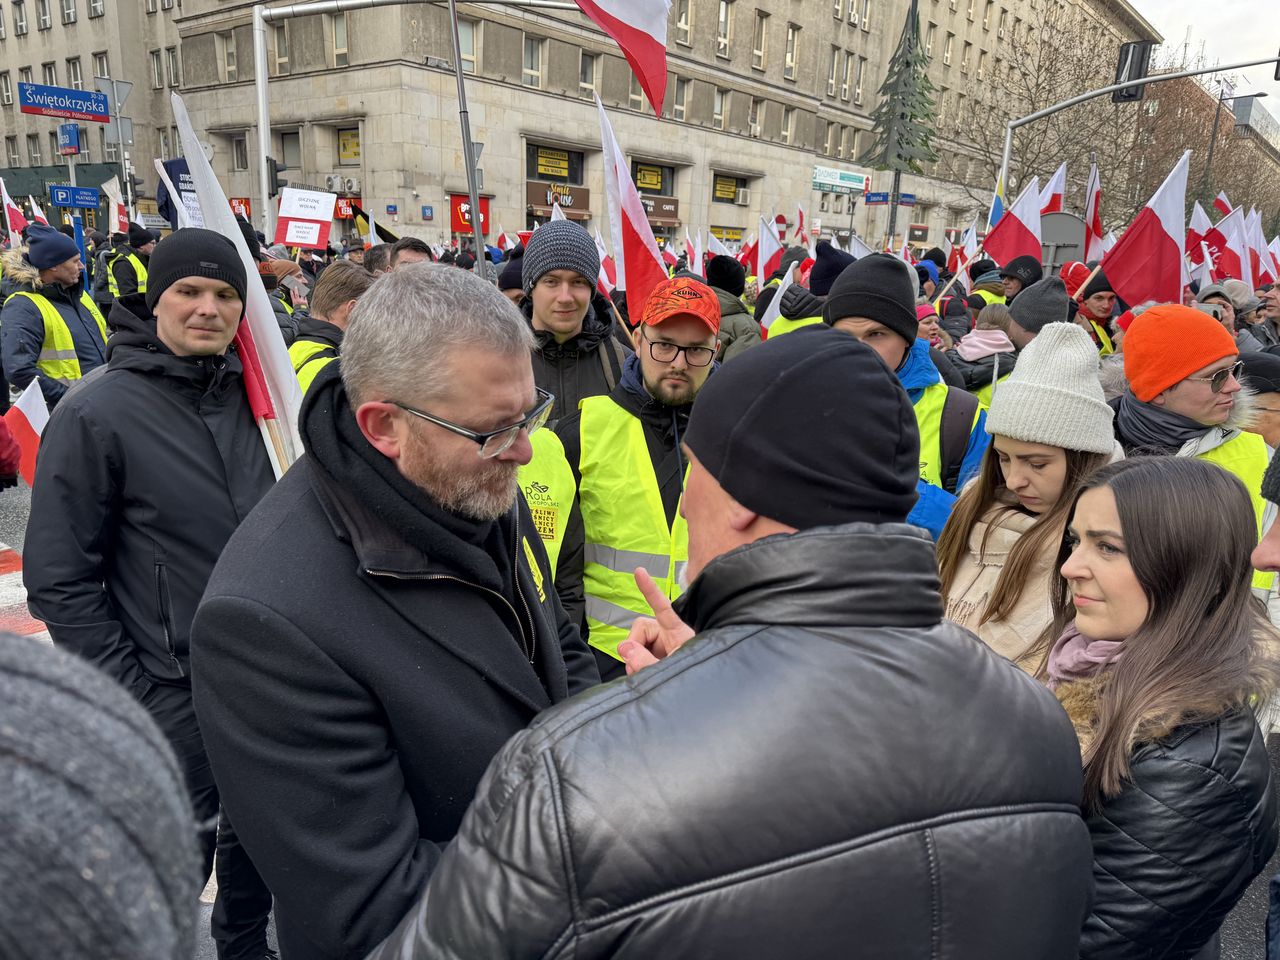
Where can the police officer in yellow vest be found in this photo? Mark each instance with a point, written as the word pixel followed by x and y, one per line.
pixel 874 300
pixel 50 327
pixel 624 448
pixel 1184 399
pixel 128 268
pixel 320 332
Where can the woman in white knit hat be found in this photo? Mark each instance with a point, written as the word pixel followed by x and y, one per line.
pixel 1051 428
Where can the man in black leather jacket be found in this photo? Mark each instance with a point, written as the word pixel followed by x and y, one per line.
pixel 825 769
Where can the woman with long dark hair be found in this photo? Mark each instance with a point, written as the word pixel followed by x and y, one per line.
pixel 1161 656
pixel 1051 428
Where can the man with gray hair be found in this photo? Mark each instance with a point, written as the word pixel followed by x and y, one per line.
pixel 386 619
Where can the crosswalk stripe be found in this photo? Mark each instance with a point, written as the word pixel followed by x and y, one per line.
pixel 14 616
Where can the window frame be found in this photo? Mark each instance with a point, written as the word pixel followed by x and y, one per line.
pixel 6 89
pixel 75 73
pixel 527 73
pixel 680 99
pixel 724 28
pixel 34 157
pixel 341 56
pixel 97 8
pixel 280 65
pixel 791 58
pixel 172 67
pixel 49 73
pixel 21 24
pixel 760 49
pixel 684 27
pixel 470 62
pixel 157 69
pixel 102 57
pixel 44 15
pixel 586 90
pixel 719 107
pixel 13 151
pixel 240 152
pixel 69 12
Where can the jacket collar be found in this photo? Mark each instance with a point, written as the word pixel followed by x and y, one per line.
pixel 854 575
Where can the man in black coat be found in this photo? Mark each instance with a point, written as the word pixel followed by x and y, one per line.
pixel 146 467
pixel 826 767
pixel 386 619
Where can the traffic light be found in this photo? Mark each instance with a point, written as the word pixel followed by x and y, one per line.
pixel 135 187
pixel 1135 61
pixel 275 182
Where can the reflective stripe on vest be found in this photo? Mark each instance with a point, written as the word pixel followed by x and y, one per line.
pixel 783 325
pixel 624 524
pixel 139 271
pixel 1246 458
pixel 58 359
pixel 307 359
pixel 549 489
pixel 929 418
pixel 1106 349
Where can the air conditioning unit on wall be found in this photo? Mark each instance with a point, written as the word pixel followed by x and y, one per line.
pixel 743 198
pixel 333 184
pixel 352 184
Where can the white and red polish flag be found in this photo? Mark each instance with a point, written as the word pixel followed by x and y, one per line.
pixel 13 215
pixel 1274 249
pixel 1018 232
pixel 1221 203
pixel 802 235
pixel 747 253
pixel 36 213
pixel 639 261
pixel 1202 271
pixel 1147 262
pixel 693 253
pixel 1093 239
pixel 639 27
pixel 769 252
pixel 26 420
pixel 1264 271
pixel 1054 197
pixel 608 271
pixel 715 247
pixel 1197 230
pixel 774 310
pixel 1229 244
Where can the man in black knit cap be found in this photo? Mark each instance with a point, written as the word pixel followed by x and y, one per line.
pixel 145 471
pixel 738 328
pixel 748 796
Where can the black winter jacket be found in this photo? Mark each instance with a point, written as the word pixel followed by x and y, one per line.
pixel 587 365
pixel 825 771
pixel 1176 850
pixel 146 468
pixel 358 661
pixel 977 374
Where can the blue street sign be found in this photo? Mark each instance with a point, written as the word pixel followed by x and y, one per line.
pixel 68 139
pixel 393 209
pixel 81 197
pixel 874 199
pixel 428 213
pixel 63 102
pixel 907 199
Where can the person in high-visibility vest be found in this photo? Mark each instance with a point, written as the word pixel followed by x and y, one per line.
pixel 1184 399
pixel 624 449
pixel 128 268
pixel 1096 302
pixel 874 300
pixel 50 328
pixel 320 332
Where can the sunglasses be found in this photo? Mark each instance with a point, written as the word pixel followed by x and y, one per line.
pixel 1219 379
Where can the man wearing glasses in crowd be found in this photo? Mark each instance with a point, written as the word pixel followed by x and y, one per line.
pixel 386 619
pixel 624 449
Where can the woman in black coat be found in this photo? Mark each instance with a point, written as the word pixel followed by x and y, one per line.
pixel 1161 657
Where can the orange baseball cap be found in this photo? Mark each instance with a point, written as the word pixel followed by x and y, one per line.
pixel 682 297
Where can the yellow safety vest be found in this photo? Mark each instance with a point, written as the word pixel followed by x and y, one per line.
pixel 783 325
pixel 1106 349
pixel 929 419
pixel 58 360
pixel 308 359
pixel 984 393
pixel 624 524
pixel 990 297
pixel 1246 457
pixel 549 489
pixel 139 271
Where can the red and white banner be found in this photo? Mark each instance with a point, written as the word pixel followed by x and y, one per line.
pixel 14 219
pixel 306 217
pixel 36 213
pixel 1054 197
pixel 747 254
pixel 1018 232
pixel 774 310
pixel 1229 247
pixel 1202 270
pixel 1263 268
pixel 1147 263
pixel 1093 246
pixel 639 27
pixel 1222 204
pixel 768 252
pixel 26 420
pixel 608 269
pixel 693 254
pixel 1197 230
pixel 715 247
pixel 243 207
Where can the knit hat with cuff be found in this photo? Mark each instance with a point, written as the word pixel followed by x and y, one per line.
pixel 878 287
pixel 47 247
pixel 560 245
pixel 1040 304
pixel 1053 395
pixel 193 252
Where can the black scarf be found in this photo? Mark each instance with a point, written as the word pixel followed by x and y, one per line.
pixel 1147 428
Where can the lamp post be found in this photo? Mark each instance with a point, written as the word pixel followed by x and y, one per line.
pixel 1213 134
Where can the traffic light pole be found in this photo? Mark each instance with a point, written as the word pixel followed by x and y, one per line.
pixel 1102 92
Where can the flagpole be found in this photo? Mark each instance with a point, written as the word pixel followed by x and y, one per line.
pixel 468 149
pixel 956 276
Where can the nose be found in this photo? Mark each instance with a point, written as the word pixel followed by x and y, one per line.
pixel 680 362
pixel 1073 568
pixel 1014 478
pixel 1231 386
pixel 1266 555
pixel 520 451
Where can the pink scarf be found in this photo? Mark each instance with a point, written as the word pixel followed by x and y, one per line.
pixel 983 343
pixel 1074 655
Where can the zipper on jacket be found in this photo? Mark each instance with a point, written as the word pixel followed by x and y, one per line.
pixel 166 615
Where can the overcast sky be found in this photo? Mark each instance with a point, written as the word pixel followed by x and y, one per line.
pixel 1230 31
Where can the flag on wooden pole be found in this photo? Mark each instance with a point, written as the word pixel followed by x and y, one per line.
pixel 14 219
pixel 1018 232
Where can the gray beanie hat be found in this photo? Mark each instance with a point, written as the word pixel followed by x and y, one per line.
pixel 1053 395
pixel 1041 303
pixel 560 245
pixel 99 854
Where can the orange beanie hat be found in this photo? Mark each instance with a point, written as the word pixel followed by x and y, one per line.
pixel 1167 344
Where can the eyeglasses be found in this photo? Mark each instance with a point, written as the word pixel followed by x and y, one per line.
pixel 665 352
pixel 495 442
pixel 1219 379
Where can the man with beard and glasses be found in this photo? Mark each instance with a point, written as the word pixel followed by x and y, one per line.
pixel 386 619
pixel 624 450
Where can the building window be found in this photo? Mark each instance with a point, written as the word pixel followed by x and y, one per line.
pixel 174 68
pixel 43 15
pixel 6 89
pixel 683 16
pixel 100 67
pixel 725 187
pixel 2 33
pixel 587 74
pixel 717 113
pixel 157 70
pixel 110 151
pixel 291 150
pixel 1004 17
pixel 969 12
pixel 947 50
pixel 635 95
pixel 857 79
pixel 239 153
pixel 555 164
pixel 929 34
pixel 33 149
pixel 230 57
pixel 20 19
pixel 75 78
pixel 754 116
pixel 964 57
pixel 942 105
pixel 866 14
pixel 54 156
pixel 986 14
pixel 151 6
pixel 167 5
pixel 833 71
pixel 467 44
pixel 758 37
pixel 176 141
pixel 788 124
pixel 840 8
pixel 68 11
pixel 982 64
pixel 952 4
pixel 793 52
pixel 846 77
pixel 654 178
pixel 847 136
pixel 11 149
pixel 680 108
pixel 24 75
pixel 162 137
pixel 97 8
pixel 531 73
pixel 281 34
pixel 340 42
pixel 724 28
pixel 49 74
pixel 833 139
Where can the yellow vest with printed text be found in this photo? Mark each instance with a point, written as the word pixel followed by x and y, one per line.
pixel 549 489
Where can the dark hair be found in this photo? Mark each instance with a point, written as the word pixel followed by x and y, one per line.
pixel 412 244
pixel 377 258
pixel 1205 647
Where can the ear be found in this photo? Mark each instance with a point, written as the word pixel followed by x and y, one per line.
pixel 740 518
pixel 1159 398
pixel 381 427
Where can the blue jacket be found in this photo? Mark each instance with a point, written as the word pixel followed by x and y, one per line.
pixel 934 506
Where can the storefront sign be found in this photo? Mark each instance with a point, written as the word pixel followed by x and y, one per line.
pixel 726 188
pixel 727 234
pixel 662 211
pixel 918 232
pixel 343 210
pixel 349 146
pixel 648 177
pixel 831 180
pixel 553 164
pixel 574 201
pixel 241 207
pixel 460 214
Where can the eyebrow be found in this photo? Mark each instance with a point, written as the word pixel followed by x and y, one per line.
pixel 1099 534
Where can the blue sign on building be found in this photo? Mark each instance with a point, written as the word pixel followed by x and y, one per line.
pixel 874 199
pixel 907 199
pixel 63 102
pixel 393 209
pixel 68 139
pixel 428 213
pixel 86 198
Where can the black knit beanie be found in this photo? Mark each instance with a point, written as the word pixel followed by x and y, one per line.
pixel 511 278
pixel 727 274
pixel 99 856
pixel 193 252
pixel 139 236
pixel 878 287
pixel 827 266
pixel 828 437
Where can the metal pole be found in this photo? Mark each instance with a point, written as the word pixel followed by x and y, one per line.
pixel 264 118
pixel 124 174
pixel 468 149
pixel 1213 139
pixel 1103 91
